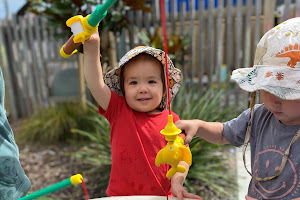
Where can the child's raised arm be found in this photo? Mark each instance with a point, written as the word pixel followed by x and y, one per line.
pixel 209 131
pixel 93 71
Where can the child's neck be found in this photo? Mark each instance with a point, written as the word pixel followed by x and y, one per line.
pixel 155 111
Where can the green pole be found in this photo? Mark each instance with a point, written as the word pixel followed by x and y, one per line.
pixel 100 13
pixel 50 189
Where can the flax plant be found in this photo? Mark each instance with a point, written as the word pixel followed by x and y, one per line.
pixel 53 124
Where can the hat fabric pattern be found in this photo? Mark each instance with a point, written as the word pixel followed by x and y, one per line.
pixel 112 78
pixel 276 65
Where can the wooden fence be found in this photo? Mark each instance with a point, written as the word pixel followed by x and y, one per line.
pixel 223 37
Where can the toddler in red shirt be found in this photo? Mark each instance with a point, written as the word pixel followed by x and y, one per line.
pixel 132 97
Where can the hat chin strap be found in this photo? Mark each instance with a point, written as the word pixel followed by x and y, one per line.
pixel 247 139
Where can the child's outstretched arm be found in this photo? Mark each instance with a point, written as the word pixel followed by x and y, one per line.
pixel 93 71
pixel 177 184
pixel 209 131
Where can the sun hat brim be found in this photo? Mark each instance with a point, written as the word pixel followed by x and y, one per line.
pixel 272 79
pixel 112 78
pixel 276 64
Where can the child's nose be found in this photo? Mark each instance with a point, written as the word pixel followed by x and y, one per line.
pixel 143 89
pixel 276 100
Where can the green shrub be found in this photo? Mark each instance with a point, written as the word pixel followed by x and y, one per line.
pixel 96 153
pixel 53 124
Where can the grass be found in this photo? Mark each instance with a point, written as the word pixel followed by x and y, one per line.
pixel 53 124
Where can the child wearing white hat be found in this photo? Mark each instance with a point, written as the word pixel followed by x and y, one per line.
pixel 132 97
pixel 271 128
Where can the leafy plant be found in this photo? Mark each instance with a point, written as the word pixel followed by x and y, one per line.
pixel 53 124
pixel 96 153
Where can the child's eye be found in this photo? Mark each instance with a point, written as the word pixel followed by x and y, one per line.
pixel 152 81
pixel 132 83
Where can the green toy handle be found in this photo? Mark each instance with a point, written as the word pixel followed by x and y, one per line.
pixel 100 13
pixel 76 179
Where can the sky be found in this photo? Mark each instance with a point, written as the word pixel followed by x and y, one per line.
pixel 13 5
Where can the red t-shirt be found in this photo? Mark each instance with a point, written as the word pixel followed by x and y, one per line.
pixel 135 141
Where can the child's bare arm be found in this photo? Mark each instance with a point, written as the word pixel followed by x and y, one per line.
pixel 93 71
pixel 177 184
pixel 209 131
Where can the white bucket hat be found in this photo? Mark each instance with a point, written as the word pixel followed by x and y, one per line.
pixel 112 78
pixel 277 63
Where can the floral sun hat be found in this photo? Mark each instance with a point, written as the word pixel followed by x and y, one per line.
pixel 112 78
pixel 277 63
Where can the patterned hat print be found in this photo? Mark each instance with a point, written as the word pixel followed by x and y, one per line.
pixel 276 65
pixel 112 78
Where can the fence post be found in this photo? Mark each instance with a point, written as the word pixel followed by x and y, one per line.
pixel 36 75
pixel 81 81
pixel 269 7
pixel 41 61
pixel 210 42
pixel 192 46
pixel 248 29
pixel 6 73
pixel 297 9
pixel 112 50
pixel 219 40
pixel 201 46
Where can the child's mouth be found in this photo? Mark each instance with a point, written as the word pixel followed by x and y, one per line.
pixel 144 99
pixel 277 113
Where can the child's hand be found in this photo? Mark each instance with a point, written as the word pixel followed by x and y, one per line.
pixel 190 128
pixel 93 41
pixel 179 192
pixel 94 37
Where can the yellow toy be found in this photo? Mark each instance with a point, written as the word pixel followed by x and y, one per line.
pixel 83 28
pixel 175 150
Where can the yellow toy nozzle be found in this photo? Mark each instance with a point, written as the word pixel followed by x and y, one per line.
pixel 174 151
pixel 170 131
pixel 76 179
